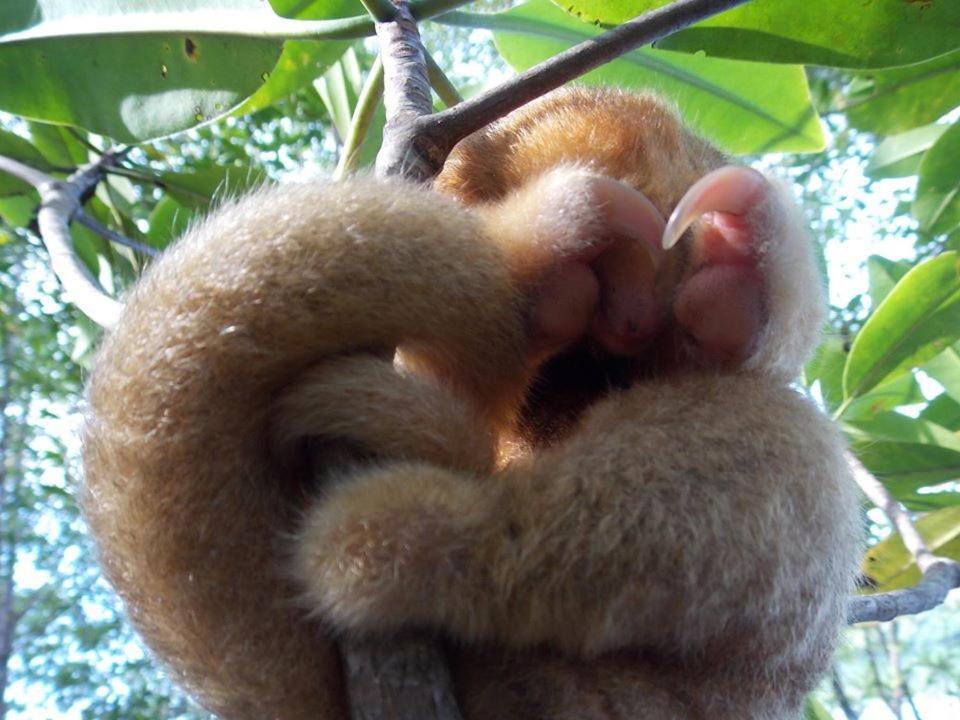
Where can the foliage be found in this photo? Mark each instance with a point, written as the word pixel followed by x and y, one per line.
pixel 213 96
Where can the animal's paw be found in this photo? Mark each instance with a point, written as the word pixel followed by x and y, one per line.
pixel 586 248
pixel 748 264
pixel 394 548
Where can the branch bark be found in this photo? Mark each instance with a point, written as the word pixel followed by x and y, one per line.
pixel 59 203
pixel 404 677
pixel 940 575
pixel 430 138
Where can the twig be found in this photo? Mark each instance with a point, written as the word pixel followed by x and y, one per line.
pixel 848 711
pixel 112 235
pixel 880 496
pixel 59 201
pixel 380 10
pixel 360 122
pixel 940 575
pixel 445 89
pixel 429 142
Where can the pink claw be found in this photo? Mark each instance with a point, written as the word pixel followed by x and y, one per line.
pixel 731 189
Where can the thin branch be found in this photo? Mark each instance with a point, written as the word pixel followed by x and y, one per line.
pixel 898 516
pixel 940 575
pixel 446 90
pixel 363 113
pixel 112 235
pixel 845 705
pixel 59 201
pixel 875 671
pixel 430 141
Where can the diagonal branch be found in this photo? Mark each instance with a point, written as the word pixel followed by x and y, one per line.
pixel 940 575
pixel 427 144
pixel 59 202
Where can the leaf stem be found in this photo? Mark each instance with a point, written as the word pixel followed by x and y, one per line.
pixel 367 102
pixel 441 84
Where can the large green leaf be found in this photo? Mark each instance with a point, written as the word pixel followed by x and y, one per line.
pixel 744 107
pixel 899 155
pixel 168 221
pixel 891 101
pixel 17 210
pixel 917 320
pixel 61 146
pixel 937 205
pixel 945 369
pixel 943 410
pixel 17 148
pixel 198 189
pixel 904 466
pixel 891 566
pixel 881 33
pixel 901 390
pixel 884 275
pixel 836 33
pixel 826 368
pixel 302 61
pixel 136 69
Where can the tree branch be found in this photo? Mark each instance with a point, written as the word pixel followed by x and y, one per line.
pixel 427 144
pixel 403 677
pixel 940 575
pixel 406 97
pixel 59 202
pixel 940 578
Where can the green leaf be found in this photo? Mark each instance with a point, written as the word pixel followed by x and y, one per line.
pixel 744 107
pixel 902 390
pixel 884 274
pixel 302 61
pixel 58 144
pixel 905 453
pixel 917 320
pixel 17 148
pixel 945 369
pixel 826 367
pixel 814 710
pixel 894 427
pixel 17 210
pixel 133 70
pixel 198 189
pixel 937 205
pixel 317 9
pixel 891 101
pixel 899 155
pixel 168 221
pixel 943 410
pixel 835 33
pixel 891 566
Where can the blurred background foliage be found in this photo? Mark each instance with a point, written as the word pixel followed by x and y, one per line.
pixel 856 104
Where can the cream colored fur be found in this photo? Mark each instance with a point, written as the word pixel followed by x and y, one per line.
pixel 685 552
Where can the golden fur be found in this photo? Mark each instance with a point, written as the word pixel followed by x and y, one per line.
pixel 684 551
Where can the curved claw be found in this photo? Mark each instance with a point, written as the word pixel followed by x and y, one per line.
pixel 630 214
pixel 730 189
